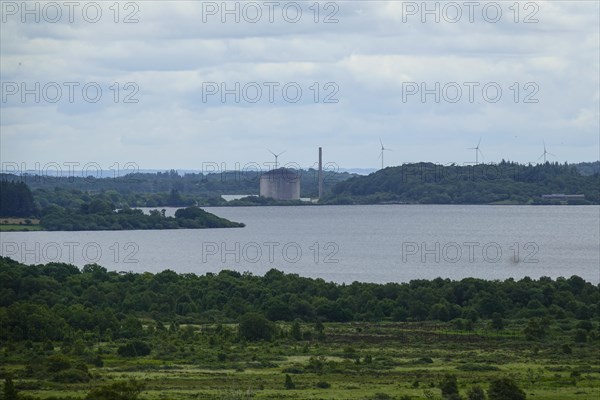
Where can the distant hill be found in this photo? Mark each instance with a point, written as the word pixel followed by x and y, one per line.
pixel 426 183
pixel 160 189
pixel 503 183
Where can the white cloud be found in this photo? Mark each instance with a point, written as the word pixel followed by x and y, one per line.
pixel 369 54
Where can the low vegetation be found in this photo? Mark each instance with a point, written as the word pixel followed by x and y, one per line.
pixel 67 333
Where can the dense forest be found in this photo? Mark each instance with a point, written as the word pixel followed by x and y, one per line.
pixel 504 183
pixel 54 301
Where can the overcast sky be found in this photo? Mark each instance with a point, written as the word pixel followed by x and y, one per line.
pixel 297 76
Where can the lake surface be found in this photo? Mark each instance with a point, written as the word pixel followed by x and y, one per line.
pixel 378 243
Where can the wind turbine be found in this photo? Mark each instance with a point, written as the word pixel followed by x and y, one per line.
pixel 477 152
pixel 382 150
pixel 544 153
pixel 276 156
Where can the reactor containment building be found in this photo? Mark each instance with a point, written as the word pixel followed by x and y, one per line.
pixel 280 184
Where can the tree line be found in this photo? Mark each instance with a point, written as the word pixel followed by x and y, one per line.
pixel 171 188
pixel 101 215
pixel 40 302
pixel 506 182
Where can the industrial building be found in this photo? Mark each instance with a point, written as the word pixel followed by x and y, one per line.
pixel 280 184
pixel 563 196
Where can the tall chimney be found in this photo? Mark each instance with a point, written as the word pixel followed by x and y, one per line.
pixel 320 172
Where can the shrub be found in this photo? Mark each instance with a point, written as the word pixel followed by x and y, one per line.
pixel 580 336
pixel 289 384
pixel 476 393
pixel 116 391
pixel 323 385
pixel 497 321
pixel 449 386
pixel 585 325
pixel 566 349
pixel 296 331
pixel 535 329
pixel 254 326
pixel 58 362
pixel 72 375
pixel 9 390
pixel 505 389
pixel 382 396
pixel 293 370
pixel 135 348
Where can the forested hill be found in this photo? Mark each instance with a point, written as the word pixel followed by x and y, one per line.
pixel 504 183
pixel 169 188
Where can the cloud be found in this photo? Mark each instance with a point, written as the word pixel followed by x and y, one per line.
pixel 154 108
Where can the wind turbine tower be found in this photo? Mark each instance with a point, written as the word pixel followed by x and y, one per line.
pixel 382 150
pixel 544 153
pixel 477 152
pixel 276 157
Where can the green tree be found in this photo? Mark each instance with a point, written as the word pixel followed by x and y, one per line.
pixel 132 327
pixel 16 200
pixel 254 326
pixel 289 384
pixel 58 362
pixel 505 389
pixel 10 393
pixel 449 386
pixel 476 393
pixel 135 348
pixel 535 329
pixel 580 336
pixel 497 321
pixel 296 331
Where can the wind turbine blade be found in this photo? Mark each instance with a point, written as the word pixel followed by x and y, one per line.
pixel 272 152
pixel 381 143
pixel 380 155
pixel 478 143
pixel 553 155
pixel 541 156
pixel 281 153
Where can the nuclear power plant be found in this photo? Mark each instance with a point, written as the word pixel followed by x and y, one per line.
pixel 284 183
pixel 280 184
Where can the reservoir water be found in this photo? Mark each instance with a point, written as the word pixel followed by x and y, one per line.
pixel 377 243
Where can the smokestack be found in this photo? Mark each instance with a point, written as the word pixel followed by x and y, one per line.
pixel 320 172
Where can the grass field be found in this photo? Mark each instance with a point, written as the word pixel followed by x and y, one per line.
pixel 19 224
pixel 19 228
pixel 352 361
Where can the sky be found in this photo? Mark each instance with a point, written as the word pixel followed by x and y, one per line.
pixel 202 85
